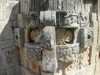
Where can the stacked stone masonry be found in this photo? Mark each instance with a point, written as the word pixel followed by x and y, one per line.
pixel 50 37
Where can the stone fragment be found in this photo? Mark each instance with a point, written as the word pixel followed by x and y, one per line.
pixel 67 53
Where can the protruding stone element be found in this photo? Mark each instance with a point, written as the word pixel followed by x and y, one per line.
pixel 98 10
pixel 48 38
pixel 31 20
pixel 20 20
pixel 34 51
pixel 68 19
pixel 48 18
pixel 18 37
pixel 67 53
pixel 87 35
pixel 84 16
pixel 49 60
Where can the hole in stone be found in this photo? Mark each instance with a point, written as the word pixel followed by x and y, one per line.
pixel 88 36
pixel 16 36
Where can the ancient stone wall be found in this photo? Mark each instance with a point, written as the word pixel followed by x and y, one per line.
pixel 9 54
pixel 53 37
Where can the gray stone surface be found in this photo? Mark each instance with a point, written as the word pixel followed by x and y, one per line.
pixel 68 53
pixel 2 66
pixel 13 71
pixel 3 72
pixel 10 56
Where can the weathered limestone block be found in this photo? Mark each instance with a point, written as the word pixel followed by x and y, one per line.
pixel 87 36
pixel 84 18
pixel 10 56
pixel 48 18
pixel 68 19
pixel 34 51
pixel 67 53
pixel 48 43
pixel 13 71
pixel 19 37
pixel 3 72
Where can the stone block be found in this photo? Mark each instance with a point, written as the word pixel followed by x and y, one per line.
pixel 68 53
pixel 48 43
pixel 44 73
pixel 87 36
pixel 34 51
pixel 10 56
pixel 84 19
pixel 68 19
pixel 6 31
pixel 3 72
pixel 48 18
pixel 19 37
pixel 13 71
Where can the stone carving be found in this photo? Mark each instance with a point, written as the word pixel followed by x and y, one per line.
pixel 19 37
pixel 84 17
pixel 48 18
pixel 68 53
pixel 31 20
pixel 86 37
pixel 34 51
pixel 68 19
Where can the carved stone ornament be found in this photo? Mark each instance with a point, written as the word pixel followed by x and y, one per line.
pixel 87 37
pixel 68 53
pixel 34 51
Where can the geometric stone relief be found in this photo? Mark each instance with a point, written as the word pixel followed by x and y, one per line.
pixel 34 51
pixel 86 37
pixel 10 56
pixel 68 53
